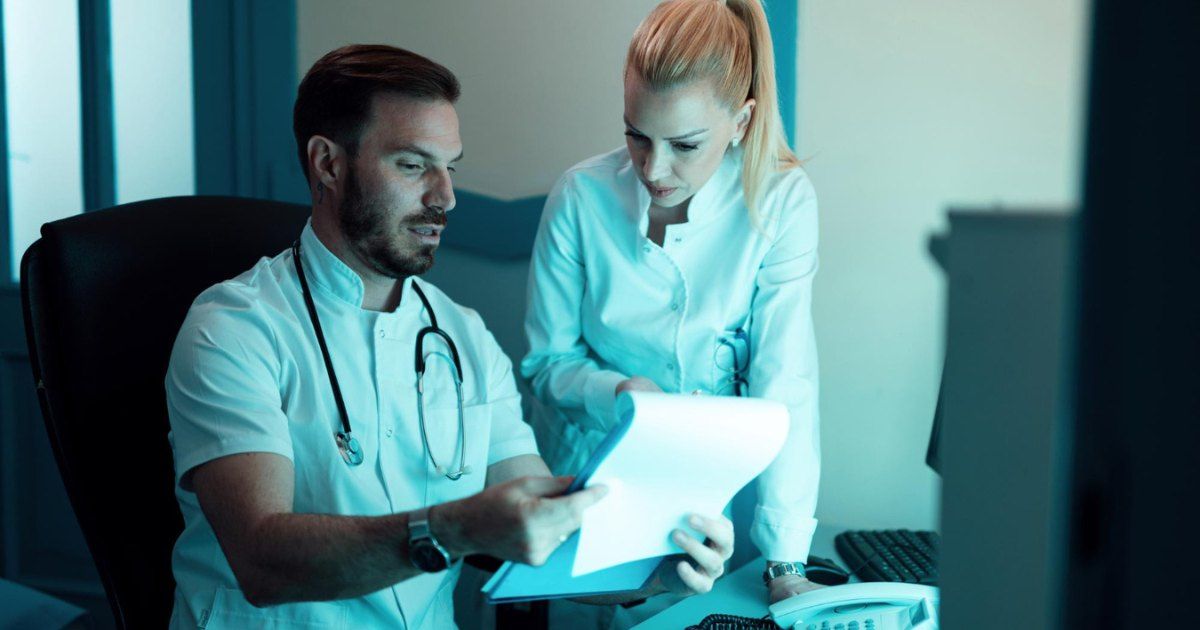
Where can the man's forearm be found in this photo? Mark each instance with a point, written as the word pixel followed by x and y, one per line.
pixel 287 557
pixel 316 557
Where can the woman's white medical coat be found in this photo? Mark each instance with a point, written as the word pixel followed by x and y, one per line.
pixel 607 303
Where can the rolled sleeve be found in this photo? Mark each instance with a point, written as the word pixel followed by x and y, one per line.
pixel 222 391
pixel 782 535
pixel 784 368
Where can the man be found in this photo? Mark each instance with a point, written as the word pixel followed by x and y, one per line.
pixel 323 481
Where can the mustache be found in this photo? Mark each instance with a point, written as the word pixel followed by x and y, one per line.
pixel 428 216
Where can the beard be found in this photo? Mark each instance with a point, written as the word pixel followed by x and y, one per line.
pixel 365 224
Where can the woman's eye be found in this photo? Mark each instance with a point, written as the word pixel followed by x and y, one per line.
pixel 637 137
pixel 452 169
pixel 679 146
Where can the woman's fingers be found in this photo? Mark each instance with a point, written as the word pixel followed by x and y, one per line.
pixel 719 532
pixel 693 579
pixel 705 557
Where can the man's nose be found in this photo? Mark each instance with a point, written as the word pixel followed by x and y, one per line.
pixel 441 192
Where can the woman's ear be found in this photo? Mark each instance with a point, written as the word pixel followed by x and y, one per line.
pixel 741 120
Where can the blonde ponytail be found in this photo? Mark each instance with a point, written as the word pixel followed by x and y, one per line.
pixel 767 150
pixel 728 43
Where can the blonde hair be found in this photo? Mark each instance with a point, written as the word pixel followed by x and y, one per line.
pixel 727 42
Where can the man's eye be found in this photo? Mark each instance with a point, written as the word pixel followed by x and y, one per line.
pixel 680 146
pixel 452 169
pixel 408 166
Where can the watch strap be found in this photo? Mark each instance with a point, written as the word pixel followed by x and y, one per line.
pixel 783 568
pixel 418 524
pixel 419 536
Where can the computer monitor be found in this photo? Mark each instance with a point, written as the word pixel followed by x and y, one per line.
pixel 995 440
pixel 1133 555
pixel 932 455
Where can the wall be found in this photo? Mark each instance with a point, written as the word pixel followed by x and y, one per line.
pixel 906 109
pixel 541 79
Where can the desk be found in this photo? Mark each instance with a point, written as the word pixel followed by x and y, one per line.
pixel 739 593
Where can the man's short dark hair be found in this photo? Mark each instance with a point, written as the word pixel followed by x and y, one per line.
pixel 334 99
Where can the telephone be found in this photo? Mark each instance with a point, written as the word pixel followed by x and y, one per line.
pixel 860 606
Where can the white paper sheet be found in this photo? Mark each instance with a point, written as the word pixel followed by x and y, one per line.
pixel 682 454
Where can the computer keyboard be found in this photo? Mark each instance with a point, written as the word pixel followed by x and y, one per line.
pixel 891 555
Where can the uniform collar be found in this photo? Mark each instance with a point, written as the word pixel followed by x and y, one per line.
pixel 325 270
pixel 706 204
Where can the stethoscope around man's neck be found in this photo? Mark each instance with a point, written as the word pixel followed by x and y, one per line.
pixel 347 445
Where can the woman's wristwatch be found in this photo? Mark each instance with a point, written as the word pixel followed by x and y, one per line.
pixel 783 568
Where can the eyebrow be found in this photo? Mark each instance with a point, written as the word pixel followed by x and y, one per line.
pixel 679 137
pixel 423 153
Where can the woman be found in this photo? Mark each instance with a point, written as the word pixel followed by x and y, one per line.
pixel 684 261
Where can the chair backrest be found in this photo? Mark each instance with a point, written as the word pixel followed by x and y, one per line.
pixel 104 295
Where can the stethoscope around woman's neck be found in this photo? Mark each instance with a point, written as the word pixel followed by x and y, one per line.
pixel 347 445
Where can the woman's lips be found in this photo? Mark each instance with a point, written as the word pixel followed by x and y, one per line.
pixel 659 193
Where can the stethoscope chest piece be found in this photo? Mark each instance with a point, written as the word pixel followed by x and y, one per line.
pixel 349 448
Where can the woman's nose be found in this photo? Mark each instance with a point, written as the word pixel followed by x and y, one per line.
pixel 657 165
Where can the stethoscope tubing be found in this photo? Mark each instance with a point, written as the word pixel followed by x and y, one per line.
pixel 347 444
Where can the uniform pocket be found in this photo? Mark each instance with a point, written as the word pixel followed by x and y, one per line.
pixel 731 363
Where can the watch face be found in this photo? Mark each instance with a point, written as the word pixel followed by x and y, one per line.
pixel 426 557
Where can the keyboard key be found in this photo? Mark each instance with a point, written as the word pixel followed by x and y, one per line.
pixel 894 555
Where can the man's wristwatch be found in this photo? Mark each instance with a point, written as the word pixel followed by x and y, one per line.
pixel 783 568
pixel 423 549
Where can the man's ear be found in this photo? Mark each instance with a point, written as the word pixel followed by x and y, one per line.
pixel 326 162
pixel 741 120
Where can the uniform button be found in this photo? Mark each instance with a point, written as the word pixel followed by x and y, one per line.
pixel 671 366
pixel 388 432
pixel 678 239
pixel 674 306
pixel 381 334
pixel 646 248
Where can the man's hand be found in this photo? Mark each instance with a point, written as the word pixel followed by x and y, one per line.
pixel 636 384
pixel 786 586
pixel 523 520
pixel 704 562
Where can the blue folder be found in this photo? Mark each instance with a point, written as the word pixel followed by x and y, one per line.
pixel 516 582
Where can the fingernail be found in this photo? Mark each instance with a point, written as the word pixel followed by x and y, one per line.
pixel 678 536
pixel 695 521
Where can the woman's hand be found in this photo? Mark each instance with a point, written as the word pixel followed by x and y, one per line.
pixel 705 561
pixel 786 586
pixel 636 384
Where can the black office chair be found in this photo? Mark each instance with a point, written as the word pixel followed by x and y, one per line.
pixel 104 295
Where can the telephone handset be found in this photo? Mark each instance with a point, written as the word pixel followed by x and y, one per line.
pixel 873 605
